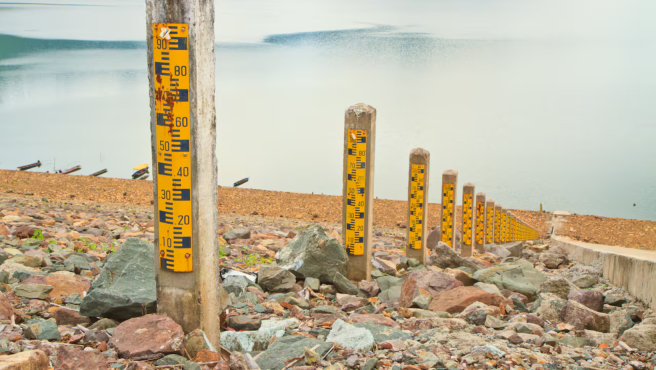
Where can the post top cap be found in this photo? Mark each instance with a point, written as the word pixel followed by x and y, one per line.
pixel 450 172
pixel 469 185
pixel 420 152
pixel 360 108
pixel 480 194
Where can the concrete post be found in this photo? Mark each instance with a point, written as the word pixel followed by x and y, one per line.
pixel 479 240
pixel 497 224
pixel 418 176
pixel 489 221
pixel 467 219
pixel 181 67
pixel 358 194
pixel 449 190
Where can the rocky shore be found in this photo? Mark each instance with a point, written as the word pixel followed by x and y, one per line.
pixel 78 292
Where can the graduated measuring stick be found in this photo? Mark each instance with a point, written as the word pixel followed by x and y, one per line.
pixel 467 219
pixel 173 137
pixel 497 224
pixel 479 239
pixel 357 217
pixel 418 204
pixel 181 67
pixel 449 184
pixel 489 221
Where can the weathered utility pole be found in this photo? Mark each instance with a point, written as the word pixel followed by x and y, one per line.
pixel 181 67
pixel 418 204
pixel 358 195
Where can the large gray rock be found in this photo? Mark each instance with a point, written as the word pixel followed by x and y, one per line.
pixel 125 286
pixel 585 281
pixel 239 233
pixel 383 333
pixel 549 307
pixel 620 321
pixel 286 348
pixel 390 288
pixel 255 340
pixel 554 258
pixel 351 337
pixel 33 291
pixel 519 276
pixel 444 257
pixel 497 250
pixel 237 284
pixel 40 329
pixel 515 249
pixel 344 285
pixel 641 337
pixel 557 285
pixel 313 254
pixel 177 360
pixel 275 279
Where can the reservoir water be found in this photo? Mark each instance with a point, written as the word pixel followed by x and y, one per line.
pixel 534 101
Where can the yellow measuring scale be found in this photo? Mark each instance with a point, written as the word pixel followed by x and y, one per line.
pixel 171 73
pixel 467 222
pixel 448 209
pixel 356 182
pixel 417 186
pixel 480 220
pixel 489 237
pixel 497 226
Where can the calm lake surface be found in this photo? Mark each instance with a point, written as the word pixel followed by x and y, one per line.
pixel 535 102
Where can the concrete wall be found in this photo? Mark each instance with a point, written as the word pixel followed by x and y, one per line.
pixel 633 269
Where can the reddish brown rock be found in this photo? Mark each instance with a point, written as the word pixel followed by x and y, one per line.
pixel 64 316
pixel 24 232
pixel 592 299
pixel 351 302
pixel 581 317
pixel 74 358
pixel 456 300
pixel 6 309
pixel 64 285
pixel 4 231
pixel 461 276
pixel 147 337
pixel 374 319
pixel 26 360
pixel 431 281
pixel 243 322
pixel 369 287
pixel 205 355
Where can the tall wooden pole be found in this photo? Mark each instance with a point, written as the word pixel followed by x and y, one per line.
pixel 181 71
